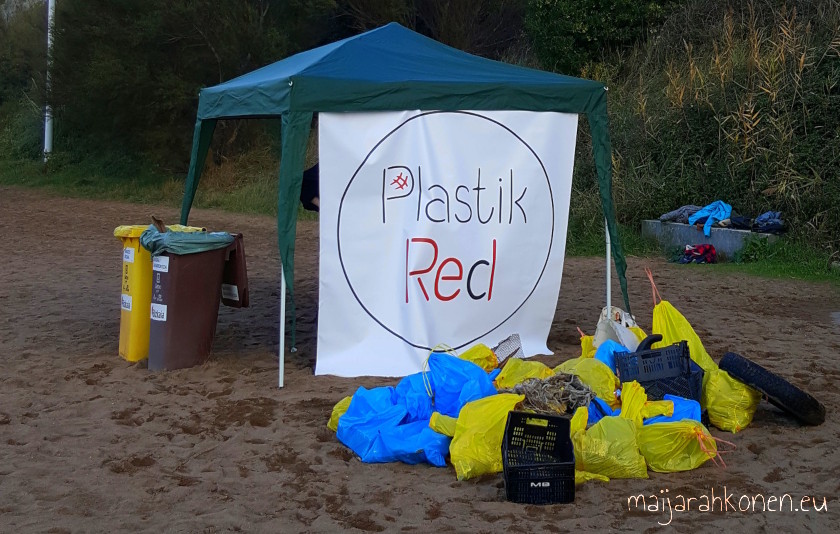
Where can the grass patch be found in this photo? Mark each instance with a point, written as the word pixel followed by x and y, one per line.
pixel 247 184
pixel 786 258
pixel 92 180
pixel 582 242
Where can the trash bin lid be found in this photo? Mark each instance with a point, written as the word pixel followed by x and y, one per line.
pixel 131 230
pixel 135 230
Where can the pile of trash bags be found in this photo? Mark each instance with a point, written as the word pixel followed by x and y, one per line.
pixel 456 409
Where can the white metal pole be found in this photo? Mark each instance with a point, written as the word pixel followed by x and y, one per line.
pixel 281 356
pixel 609 268
pixel 48 118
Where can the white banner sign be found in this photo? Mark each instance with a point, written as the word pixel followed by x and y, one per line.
pixel 438 227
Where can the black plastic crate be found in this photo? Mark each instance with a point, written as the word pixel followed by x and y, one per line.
pixel 688 386
pixel 664 371
pixel 647 365
pixel 538 459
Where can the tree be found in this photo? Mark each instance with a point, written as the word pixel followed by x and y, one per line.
pixel 568 33
pixel 127 72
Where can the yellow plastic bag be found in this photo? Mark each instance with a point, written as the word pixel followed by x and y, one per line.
pixel 587 348
pixel 338 410
pixel 579 420
pixel 660 407
pixel 586 476
pixel 676 446
pixel 482 356
pixel 674 328
pixel 638 332
pixel 476 448
pixel 517 371
pixel 594 374
pixel 442 424
pixel 731 403
pixel 578 424
pixel 608 448
pixel 633 399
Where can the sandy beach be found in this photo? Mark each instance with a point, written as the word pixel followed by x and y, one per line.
pixel 91 443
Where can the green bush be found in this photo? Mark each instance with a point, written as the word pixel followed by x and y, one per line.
pixel 569 33
pixel 23 49
pixel 739 103
pixel 708 100
pixel 21 130
pixel 127 72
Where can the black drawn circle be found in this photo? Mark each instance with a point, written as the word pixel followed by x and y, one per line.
pixel 341 206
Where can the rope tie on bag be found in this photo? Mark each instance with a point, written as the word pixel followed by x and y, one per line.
pixel 714 454
pixel 653 290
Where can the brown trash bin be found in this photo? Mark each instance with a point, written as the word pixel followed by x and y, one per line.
pixel 186 291
pixel 235 277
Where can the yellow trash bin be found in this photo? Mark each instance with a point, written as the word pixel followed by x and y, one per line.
pixel 136 293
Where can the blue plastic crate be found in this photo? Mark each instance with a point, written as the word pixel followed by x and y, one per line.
pixel 689 386
pixel 653 364
pixel 664 371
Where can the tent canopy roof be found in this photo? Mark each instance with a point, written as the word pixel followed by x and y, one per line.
pixel 390 68
pixel 394 68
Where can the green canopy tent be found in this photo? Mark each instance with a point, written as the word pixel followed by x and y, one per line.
pixel 390 68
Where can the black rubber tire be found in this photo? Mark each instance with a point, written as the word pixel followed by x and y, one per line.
pixel 779 391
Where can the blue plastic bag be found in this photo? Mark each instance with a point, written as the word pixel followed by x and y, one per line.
pixel 368 413
pixel 607 351
pixel 683 409
pixel 377 426
pixel 598 409
pixel 411 392
pixel 411 443
pixel 456 382
pixel 389 424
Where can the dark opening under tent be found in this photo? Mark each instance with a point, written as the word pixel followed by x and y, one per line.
pixel 390 68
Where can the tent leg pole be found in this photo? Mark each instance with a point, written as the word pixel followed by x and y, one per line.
pixel 609 268
pixel 282 354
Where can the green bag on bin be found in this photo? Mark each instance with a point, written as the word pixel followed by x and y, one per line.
pixel 182 243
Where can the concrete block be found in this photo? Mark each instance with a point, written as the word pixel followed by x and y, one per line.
pixel 727 241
